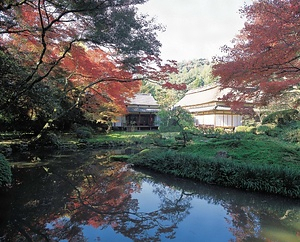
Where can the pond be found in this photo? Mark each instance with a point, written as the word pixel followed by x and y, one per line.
pixel 84 197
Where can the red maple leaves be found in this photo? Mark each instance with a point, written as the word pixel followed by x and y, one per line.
pixel 51 42
pixel 264 61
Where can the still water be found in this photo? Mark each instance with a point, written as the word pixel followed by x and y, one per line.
pixel 85 197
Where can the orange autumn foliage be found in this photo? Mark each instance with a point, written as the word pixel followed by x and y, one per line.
pixel 52 41
pixel 264 61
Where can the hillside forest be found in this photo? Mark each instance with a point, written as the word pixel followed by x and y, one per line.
pixel 193 73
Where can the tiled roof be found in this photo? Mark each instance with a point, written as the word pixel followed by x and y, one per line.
pixel 202 95
pixel 143 99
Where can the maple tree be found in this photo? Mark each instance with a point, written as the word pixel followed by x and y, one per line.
pixel 264 62
pixel 94 52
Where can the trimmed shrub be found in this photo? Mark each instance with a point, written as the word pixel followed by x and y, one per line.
pixel 292 136
pixel 282 117
pixel 265 128
pixel 154 135
pixel 5 172
pixel 84 132
pixel 49 139
pixel 246 129
pixel 220 131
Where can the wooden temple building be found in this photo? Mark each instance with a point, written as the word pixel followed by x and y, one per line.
pixel 141 114
pixel 207 108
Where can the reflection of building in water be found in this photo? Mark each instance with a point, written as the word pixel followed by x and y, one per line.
pixel 207 108
pixel 141 114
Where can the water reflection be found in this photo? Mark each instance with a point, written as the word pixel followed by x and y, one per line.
pixel 249 216
pixel 84 197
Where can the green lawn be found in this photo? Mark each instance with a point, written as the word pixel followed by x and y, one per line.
pixel 250 148
pixel 118 135
pixel 240 147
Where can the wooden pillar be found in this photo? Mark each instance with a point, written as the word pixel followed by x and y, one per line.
pixel 139 121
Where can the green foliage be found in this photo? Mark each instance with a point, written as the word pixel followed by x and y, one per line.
pixel 118 24
pixel 292 133
pixel 33 108
pixel 245 129
pixel 154 135
pixel 120 136
pixel 11 72
pixel 84 132
pixel 166 98
pixel 293 136
pixel 48 139
pixel 177 120
pixel 248 148
pixel 289 132
pixel 115 138
pixel 5 172
pixel 167 122
pixel 194 73
pixel 223 171
pixel 165 142
pixel 219 131
pixel 282 117
pixel 157 139
pixel 265 128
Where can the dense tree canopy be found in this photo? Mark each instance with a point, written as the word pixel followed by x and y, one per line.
pixel 91 53
pixel 192 74
pixel 264 61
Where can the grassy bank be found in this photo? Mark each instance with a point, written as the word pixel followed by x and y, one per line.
pixel 248 148
pixel 244 160
pixel 276 179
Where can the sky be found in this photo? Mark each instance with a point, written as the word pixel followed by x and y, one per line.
pixel 195 28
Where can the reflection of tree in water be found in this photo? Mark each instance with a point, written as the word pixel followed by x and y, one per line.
pixel 64 200
pixel 150 226
pixel 249 214
pixel 104 199
pixel 173 201
pixel 102 194
pixel 244 222
pixel 251 219
pixel 57 202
